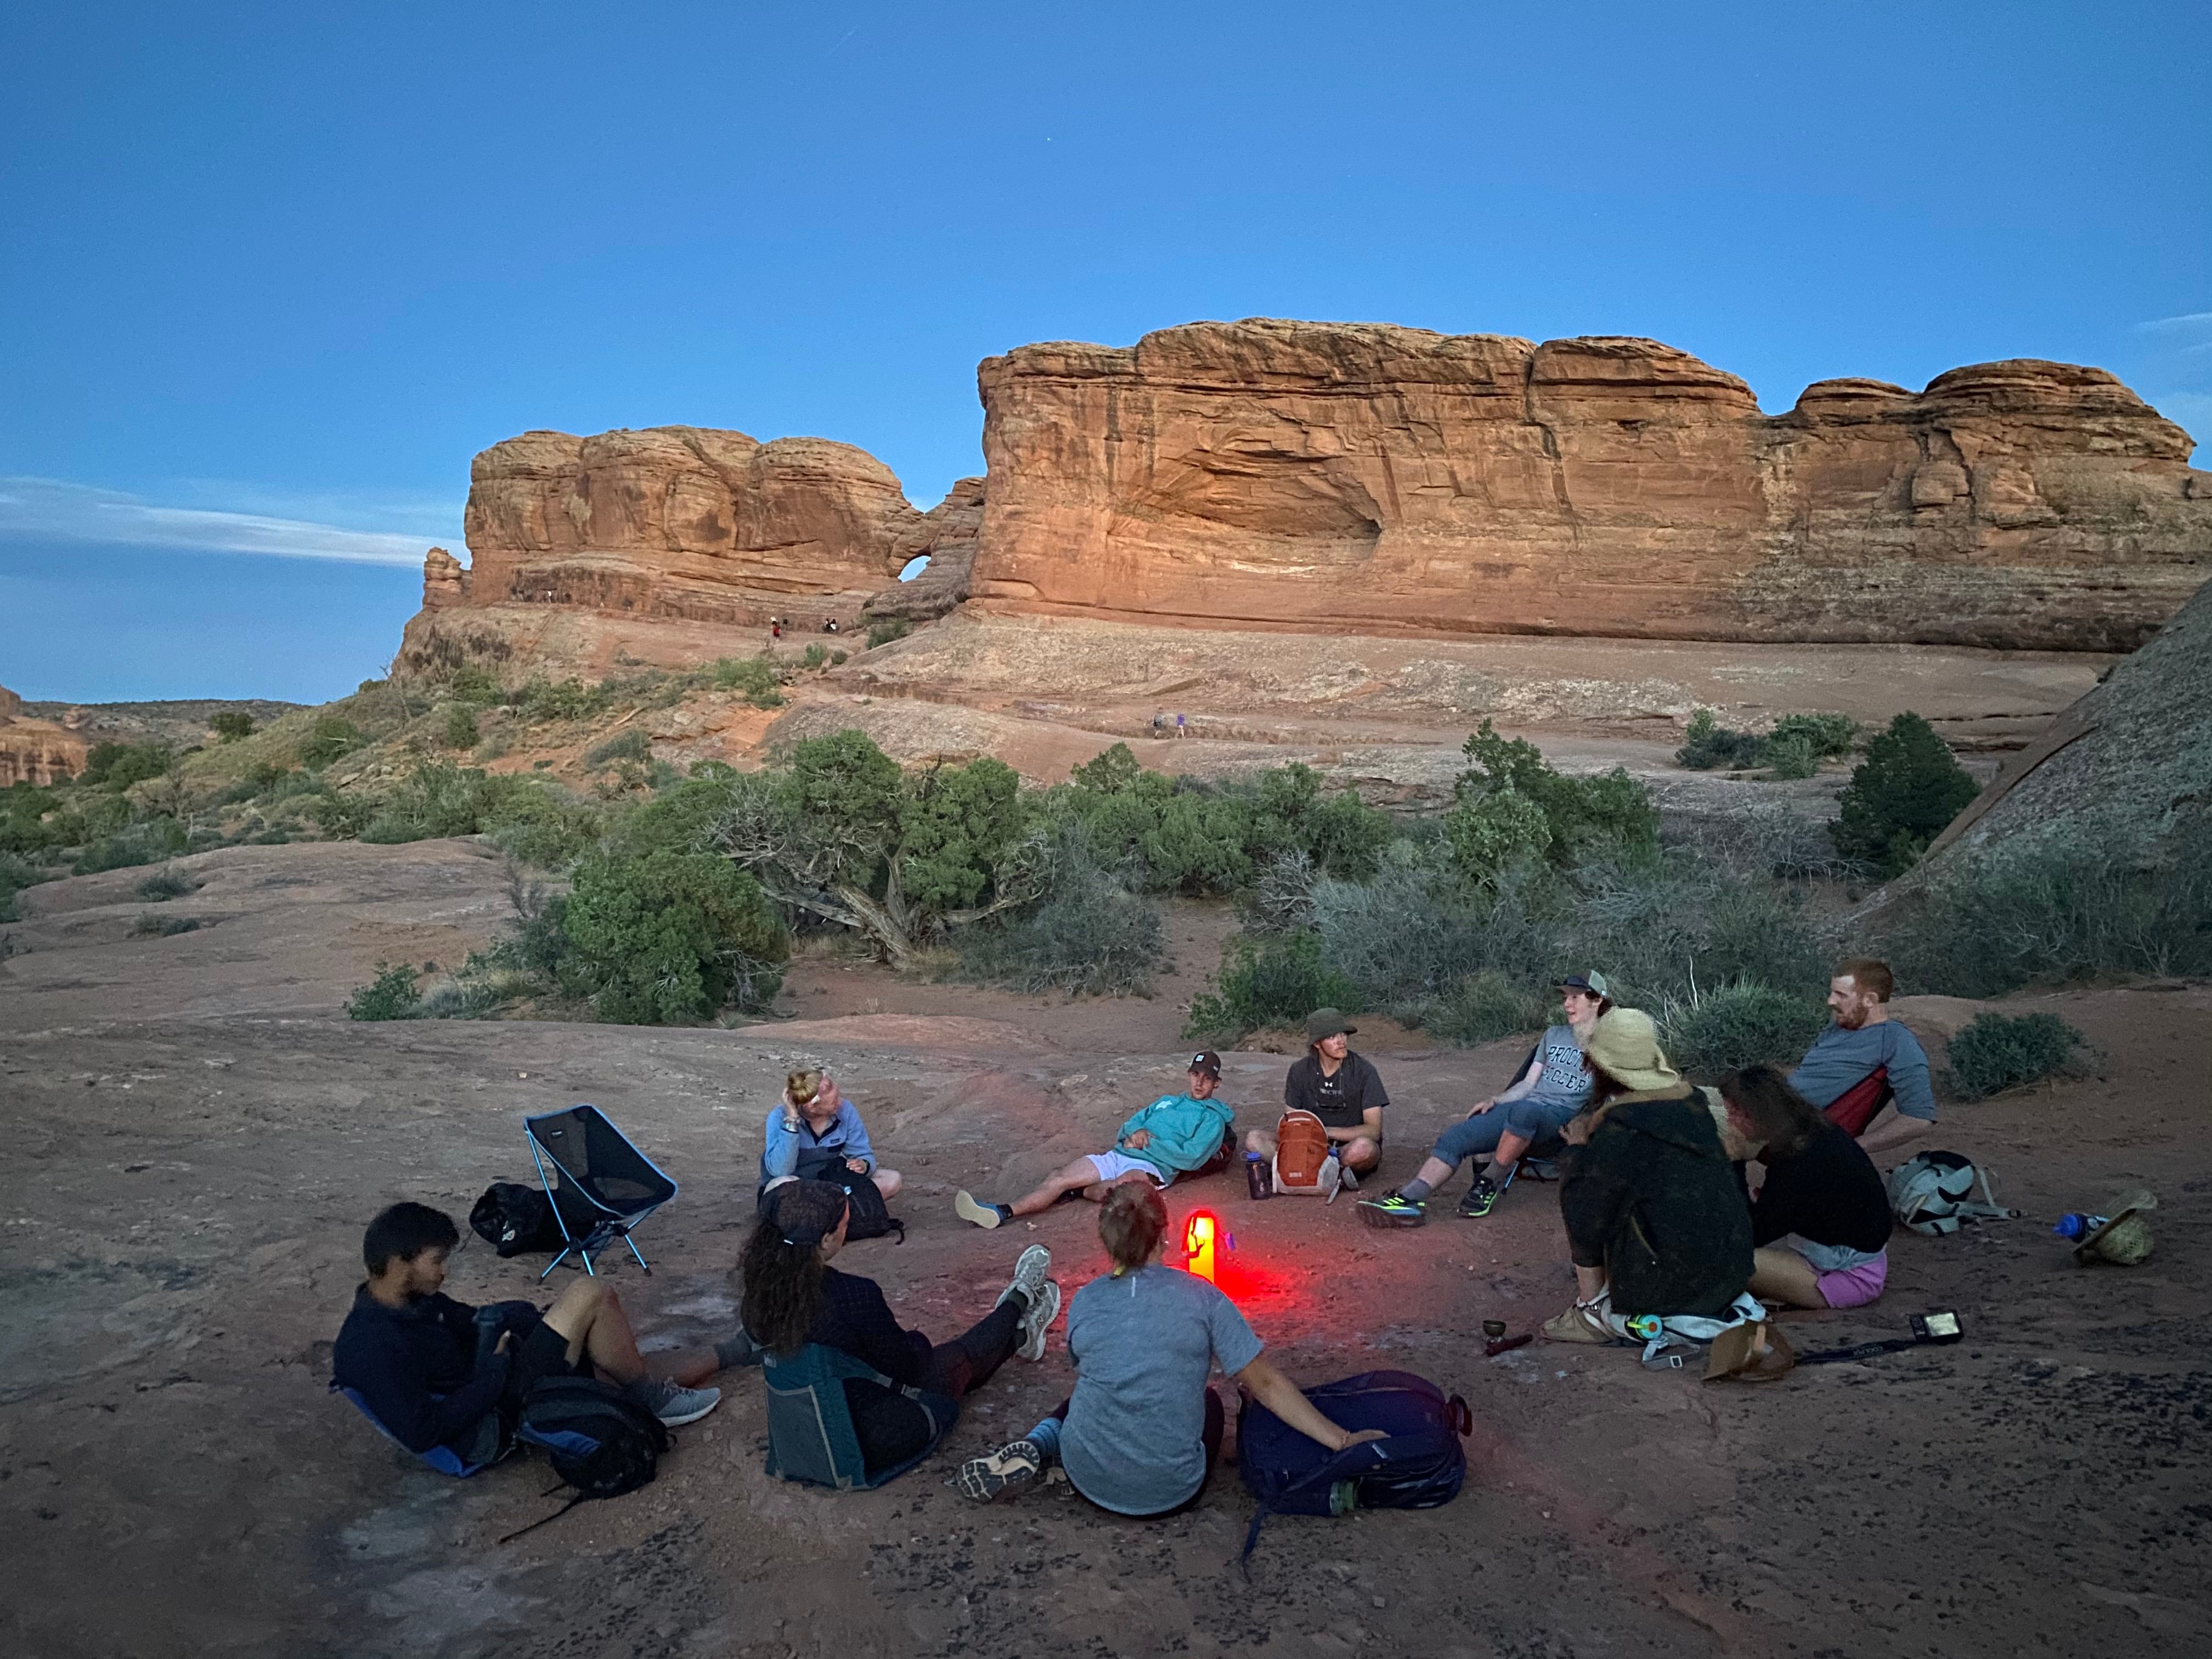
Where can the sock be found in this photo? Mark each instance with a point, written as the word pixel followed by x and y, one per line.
pixel 740 1350
pixel 1015 1295
pixel 650 1391
pixel 1414 1190
pixel 1046 1438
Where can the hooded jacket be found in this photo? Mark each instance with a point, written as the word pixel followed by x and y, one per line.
pixel 1185 1132
pixel 1655 1199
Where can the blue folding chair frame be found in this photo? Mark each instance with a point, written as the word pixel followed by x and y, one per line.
pixel 614 1222
pixel 444 1459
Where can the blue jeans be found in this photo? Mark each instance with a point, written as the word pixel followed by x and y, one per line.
pixel 1535 1122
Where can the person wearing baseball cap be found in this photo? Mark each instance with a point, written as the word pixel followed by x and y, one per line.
pixel 1189 1133
pixel 1552 1086
pixel 1340 1088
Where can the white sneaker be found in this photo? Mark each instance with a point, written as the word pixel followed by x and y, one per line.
pixel 983 1215
pixel 675 1406
pixel 1044 1309
pixel 1030 1272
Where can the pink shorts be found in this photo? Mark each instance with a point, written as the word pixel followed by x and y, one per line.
pixel 1854 1287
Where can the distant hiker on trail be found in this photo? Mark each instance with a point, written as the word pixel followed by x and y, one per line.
pixel 1341 1088
pixel 433 1371
pixel 1820 1225
pixel 1180 731
pixel 1140 1435
pixel 814 1129
pixel 1655 1209
pixel 1866 1071
pixel 793 1297
pixel 1177 1135
pixel 1552 1089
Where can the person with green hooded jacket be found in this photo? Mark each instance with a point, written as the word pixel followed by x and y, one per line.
pixel 1175 1135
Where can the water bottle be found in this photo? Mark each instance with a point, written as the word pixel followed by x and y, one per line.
pixel 2077 1226
pixel 1343 1497
pixel 1259 1178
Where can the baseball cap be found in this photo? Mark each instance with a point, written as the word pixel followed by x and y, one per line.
pixel 1328 1023
pixel 1593 981
pixel 1208 1062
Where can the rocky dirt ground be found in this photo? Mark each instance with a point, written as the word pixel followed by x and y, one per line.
pixel 196 1136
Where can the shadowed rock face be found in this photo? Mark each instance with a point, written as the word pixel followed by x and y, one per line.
pixel 1375 478
pixel 946 535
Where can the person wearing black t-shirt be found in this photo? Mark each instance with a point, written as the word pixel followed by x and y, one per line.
pixel 1821 1225
pixel 1340 1088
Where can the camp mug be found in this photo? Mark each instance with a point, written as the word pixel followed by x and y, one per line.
pixel 1493 1328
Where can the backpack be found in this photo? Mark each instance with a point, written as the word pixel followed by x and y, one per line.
pixel 600 1441
pixel 868 1216
pixel 515 1219
pixel 1302 1160
pixel 1934 1194
pixel 1860 1105
pixel 1418 1464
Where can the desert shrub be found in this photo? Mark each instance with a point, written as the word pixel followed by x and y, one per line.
pixel 1281 895
pixel 836 658
pixel 471 682
pixel 149 842
pixel 1904 793
pixel 759 677
pixel 330 737
pixel 1276 981
pixel 152 925
pixel 119 765
pixel 165 884
pixel 1513 809
pixel 456 727
pixel 1406 938
pixel 673 937
pixel 883 632
pixel 633 744
pixel 1827 736
pixel 16 874
pixel 1794 749
pixel 1744 1023
pixel 342 817
pixel 1712 747
pixel 24 826
pixel 1661 927
pixel 1090 934
pixel 554 699
pixel 1996 1052
pixel 230 725
pixel 391 996
pixel 1487 1006
pixel 815 656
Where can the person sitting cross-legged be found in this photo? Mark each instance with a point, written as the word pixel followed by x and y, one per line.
pixel 1140 1433
pixel 1552 1089
pixel 1821 1225
pixel 1175 1135
pixel 1340 1087
pixel 815 1132
pixel 437 1372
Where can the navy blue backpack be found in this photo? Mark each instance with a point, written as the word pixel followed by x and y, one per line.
pixel 1418 1464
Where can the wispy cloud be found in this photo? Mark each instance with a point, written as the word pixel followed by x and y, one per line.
pixel 55 507
pixel 2188 320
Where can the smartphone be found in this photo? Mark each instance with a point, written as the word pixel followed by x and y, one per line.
pixel 1936 1328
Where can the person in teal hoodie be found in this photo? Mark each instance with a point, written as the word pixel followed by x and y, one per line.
pixel 1175 1135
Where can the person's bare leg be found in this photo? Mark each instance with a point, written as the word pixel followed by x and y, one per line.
pixel 888 1183
pixel 1780 1274
pixel 1083 1174
pixel 1260 1141
pixel 1589 1284
pixel 590 1315
pixel 1361 1154
pixel 1434 1173
pixel 1510 1147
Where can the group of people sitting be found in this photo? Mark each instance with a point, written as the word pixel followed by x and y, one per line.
pixel 1676 1200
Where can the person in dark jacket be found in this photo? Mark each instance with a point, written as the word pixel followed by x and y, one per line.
pixel 437 1372
pixel 1821 1224
pixel 1655 1209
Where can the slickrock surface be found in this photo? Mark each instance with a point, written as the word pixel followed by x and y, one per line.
pixel 33 750
pixel 1377 479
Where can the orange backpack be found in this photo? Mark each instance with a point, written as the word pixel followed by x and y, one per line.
pixel 1302 1163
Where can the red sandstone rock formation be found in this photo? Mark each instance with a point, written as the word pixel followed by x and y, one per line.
pixel 690 539
pixel 33 750
pixel 1378 478
pixel 946 535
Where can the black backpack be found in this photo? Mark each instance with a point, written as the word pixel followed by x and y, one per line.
pixel 600 1441
pixel 869 1217
pixel 515 1219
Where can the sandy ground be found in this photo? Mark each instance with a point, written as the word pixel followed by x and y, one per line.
pixel 197 1138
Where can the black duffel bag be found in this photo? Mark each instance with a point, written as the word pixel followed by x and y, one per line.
pixel 515 1219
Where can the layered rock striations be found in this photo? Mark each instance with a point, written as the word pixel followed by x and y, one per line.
pixel 33 750
pixel 684 536
pixel 1378 478
pixel 946 538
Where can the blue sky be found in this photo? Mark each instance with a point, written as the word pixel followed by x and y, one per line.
pixel 271 275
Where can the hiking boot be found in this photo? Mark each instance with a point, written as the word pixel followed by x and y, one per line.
pixel 1036 1320
pixel 1009 1469
pixel 1391 1210
pixel 983 1215
pixel 676 1406
pixel 1481 1198
pixel 1578 1324
pixel 1031 1273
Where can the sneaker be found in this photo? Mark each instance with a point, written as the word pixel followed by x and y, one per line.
pixel 1577 1324
pixel 983 1215
pixel 1030 1274
pixel 1036 1320
pixel 1480 1197
pixel 675 1406
pixel 1349 1181
pixel 1391 1210
pixel 1009 1469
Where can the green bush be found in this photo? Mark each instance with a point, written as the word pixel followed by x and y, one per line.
pixel 24 811
pixel 152 925
pixel 474 683
pixel 1712 747
pixel 391 996
pixel 16 874
pixel 147 842
pixel 1513 809
pixel 673 937
pixel 1996 1052
pixel 836 658
pixel 1794 749
pixel 759 677
pixel 232 724
pixel 1745 1023
pixel 1091 934
pixel 1487 1006
pixel 632 745
pixel 330 737
pixel 1277 980
pixel 815 656
pixel 342 817
pixel 1904 793
pixel 458 729
pixel 883 632
pixel 119 765
pixel 165 884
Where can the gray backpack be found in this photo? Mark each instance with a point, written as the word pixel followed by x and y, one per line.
pixel 1934 1194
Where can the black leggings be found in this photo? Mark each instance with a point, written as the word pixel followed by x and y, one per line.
pixel 891 1427
pixel 966 1363
pixel 1216 1423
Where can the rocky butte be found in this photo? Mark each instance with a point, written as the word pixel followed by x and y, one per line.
pixel 1383 479
pixel 33 750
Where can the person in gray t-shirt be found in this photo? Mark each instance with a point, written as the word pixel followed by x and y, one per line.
pixel 1139 1434
pixel 1862 1037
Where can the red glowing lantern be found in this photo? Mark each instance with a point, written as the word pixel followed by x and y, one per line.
pixel 1201 1235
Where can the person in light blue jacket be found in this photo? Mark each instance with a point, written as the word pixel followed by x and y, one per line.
pixel 1177 1135
pixel 813 1132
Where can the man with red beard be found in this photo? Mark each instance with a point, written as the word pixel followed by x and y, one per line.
pixel 1866 1071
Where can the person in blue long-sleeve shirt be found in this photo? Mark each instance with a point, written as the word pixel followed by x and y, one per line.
pixel 814 1131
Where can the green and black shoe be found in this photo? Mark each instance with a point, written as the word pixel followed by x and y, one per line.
pixel 1391 1210
pixel 1481 1198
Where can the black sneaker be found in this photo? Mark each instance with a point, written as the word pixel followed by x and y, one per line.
pixel 1009 1469
pixel 1480 1197
pixel 1391 1210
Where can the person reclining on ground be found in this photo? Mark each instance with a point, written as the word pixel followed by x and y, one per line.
pixel 1175 1135
pixel 437 1372
pixel 1140 1433
pixel 1821 1225
pixel 1656 1215
pixel 1553 1089
pixel 1340 1088
pixel 813 1130
pixel 793 1297
pixel 1863 1040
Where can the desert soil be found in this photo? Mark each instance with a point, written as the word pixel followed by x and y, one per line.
pixel 196 1135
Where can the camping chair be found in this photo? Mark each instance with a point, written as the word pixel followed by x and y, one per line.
pixel 444 1459
pixel 591 1161
pixel 811 1437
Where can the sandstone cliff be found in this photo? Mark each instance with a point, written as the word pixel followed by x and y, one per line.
pixel 691 539
pixel 33 750
pixel 1378 479
pixel 947 536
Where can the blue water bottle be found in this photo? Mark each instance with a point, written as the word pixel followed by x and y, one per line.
pixel 2077 1226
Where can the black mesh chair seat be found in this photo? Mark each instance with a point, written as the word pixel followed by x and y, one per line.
pixel 590 1159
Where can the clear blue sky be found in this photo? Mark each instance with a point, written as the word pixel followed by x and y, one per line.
pixel 271 274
